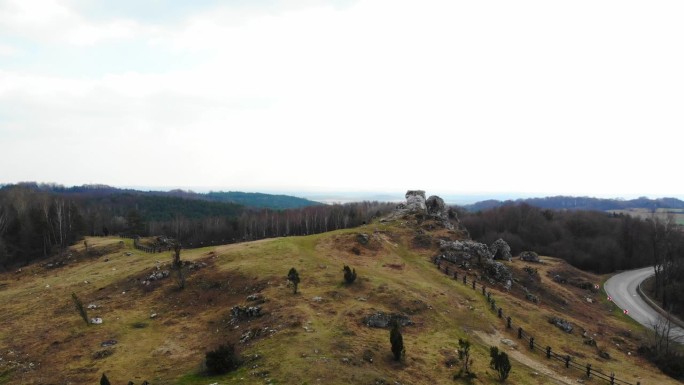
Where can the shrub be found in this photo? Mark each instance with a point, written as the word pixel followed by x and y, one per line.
pixel 349 274
pixel 222 360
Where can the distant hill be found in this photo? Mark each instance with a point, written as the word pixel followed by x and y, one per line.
pixel 254 200
pixel 583 203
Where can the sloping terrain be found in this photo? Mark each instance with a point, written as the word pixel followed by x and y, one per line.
pixel 159 333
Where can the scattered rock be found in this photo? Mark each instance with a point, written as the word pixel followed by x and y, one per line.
pixel 529 256
pixel 604 354
pixel 363 238
pixel 240 312
pixel 153 315
pixel 100 354
pixel 317 299
pixel 500 250
pixel 385 320
pixel 108 343
pixel 93 306
pixel 561 324
pixel 560 279
pixel 96 321
pixel 256 298
pixel 508 342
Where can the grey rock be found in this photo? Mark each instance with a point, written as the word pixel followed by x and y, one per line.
pixel 240 312
pixel 500 250
pixel 384 320
pixel 438 210
pixel 498 271
pixel 458 251
pixel 363 238
pixel 415 202
pixel 529 256
pixel 561 324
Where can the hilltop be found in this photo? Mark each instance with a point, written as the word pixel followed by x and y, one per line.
pixel 153 331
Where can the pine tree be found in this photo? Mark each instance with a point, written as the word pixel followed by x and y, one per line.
pixel 104 380
pixel 397 341
pixel 500 363
pixel 349 274
pixel 293 277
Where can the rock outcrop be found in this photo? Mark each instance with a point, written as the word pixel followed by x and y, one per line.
pixel 529 256
pixel 500 250
pixel 464 253
pixel 437 209
pixel 385 320
pixel 469 251
pixel 415 202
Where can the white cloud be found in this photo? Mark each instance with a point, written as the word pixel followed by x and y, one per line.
pixel 51 21
pixel 450 96
pixel 8 50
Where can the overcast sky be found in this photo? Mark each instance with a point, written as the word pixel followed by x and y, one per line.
pixel 540 97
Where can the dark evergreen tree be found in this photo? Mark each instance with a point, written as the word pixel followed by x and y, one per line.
pixel 397 341
pixel 104 380
pixel 293 278
pixel 349 274
pixel 500 363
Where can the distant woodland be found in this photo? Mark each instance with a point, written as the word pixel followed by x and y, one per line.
pixel 591 240
pixel 37 221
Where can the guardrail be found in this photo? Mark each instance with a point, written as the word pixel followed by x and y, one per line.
pixel 534 345
pixel 657 308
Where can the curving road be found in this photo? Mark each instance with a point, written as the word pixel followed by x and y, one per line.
pixel 623 289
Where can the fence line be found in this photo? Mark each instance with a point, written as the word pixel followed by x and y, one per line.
pixel 453 270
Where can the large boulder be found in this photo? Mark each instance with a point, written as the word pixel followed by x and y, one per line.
pixel 500 250
pixel 438 210
pixel 499 272
pixel 529 256
pixel 415 202
pixel 460 251
pixel 385 320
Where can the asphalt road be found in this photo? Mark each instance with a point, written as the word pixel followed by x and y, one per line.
pixel 623 289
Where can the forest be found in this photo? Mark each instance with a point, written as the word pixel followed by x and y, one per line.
pixel 591 240
pixel 35 222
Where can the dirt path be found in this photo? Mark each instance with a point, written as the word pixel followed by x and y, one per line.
pixel 550 374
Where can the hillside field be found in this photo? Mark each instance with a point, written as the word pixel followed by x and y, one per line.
pixel 314 337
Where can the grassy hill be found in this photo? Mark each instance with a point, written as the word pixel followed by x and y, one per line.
pixel 315 337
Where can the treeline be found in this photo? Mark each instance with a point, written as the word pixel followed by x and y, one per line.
pixel 36 223
pixel 591 240
pixel 254 224
pixel 582 203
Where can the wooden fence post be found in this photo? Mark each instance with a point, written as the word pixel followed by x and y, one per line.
pixel 532 343
pixel 508 322
pixel 520 331
pixel 588 370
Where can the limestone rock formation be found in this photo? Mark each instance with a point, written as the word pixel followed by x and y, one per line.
pixel 438 210
pixel 500 250
pixel 415 202
pixel 385 320
pixel 529 256
pixel 459 251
